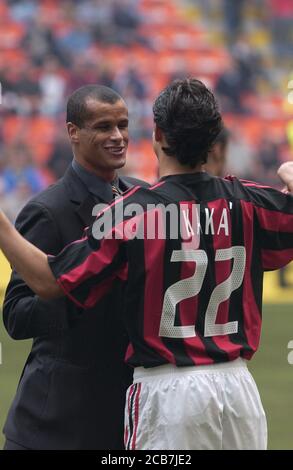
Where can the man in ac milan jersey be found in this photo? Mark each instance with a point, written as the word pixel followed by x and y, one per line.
pixel 192 251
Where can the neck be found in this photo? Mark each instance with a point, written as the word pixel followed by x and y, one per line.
pixel 169 166
pixel 105 174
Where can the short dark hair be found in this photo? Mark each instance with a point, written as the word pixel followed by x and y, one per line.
pixel 77 111
pixel 188 115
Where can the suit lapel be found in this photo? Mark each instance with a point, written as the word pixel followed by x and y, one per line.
pixel 84 201
pixel 79 195
pixel 84 210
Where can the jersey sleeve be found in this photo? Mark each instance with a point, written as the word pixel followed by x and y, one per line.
pixel 87 268
pixel 274 226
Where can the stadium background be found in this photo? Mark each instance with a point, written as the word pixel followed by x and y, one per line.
pixel 242 50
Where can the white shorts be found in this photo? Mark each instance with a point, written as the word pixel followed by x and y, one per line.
pixel 202 407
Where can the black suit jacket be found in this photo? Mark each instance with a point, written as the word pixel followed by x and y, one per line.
pixel 72 390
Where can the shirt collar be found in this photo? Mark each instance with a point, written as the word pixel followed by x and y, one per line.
pixel 96 185
pixel 187 177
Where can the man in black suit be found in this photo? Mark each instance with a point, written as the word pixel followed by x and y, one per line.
pixel 72 390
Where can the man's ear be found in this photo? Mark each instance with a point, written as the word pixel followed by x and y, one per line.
pixel 158 134
pixel 73 132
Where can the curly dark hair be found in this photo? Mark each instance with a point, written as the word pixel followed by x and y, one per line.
pixel 188 115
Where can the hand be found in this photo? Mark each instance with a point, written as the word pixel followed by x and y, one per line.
pixel 285 172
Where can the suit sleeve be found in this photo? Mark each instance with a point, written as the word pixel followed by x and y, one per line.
pixel 25 315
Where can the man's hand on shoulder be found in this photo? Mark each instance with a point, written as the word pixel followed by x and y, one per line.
pixel 285 173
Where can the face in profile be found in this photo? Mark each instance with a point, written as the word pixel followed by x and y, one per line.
pixel 100 145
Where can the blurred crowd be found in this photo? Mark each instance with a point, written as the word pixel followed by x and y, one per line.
pixel 49 48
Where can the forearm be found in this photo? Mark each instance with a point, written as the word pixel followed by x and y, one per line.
pixel 30 262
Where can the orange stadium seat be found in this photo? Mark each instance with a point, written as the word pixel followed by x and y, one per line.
pixel 49 12
pixel 40 136
pixel 11 128
pixel 4 11
pixel 159 15
pixel 15 57
pixel 38 133
pixel 11 34
pixel 142 160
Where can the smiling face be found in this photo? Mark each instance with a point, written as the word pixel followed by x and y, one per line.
pixel 101 143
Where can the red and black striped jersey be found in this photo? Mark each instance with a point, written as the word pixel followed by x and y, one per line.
pixel 192 251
